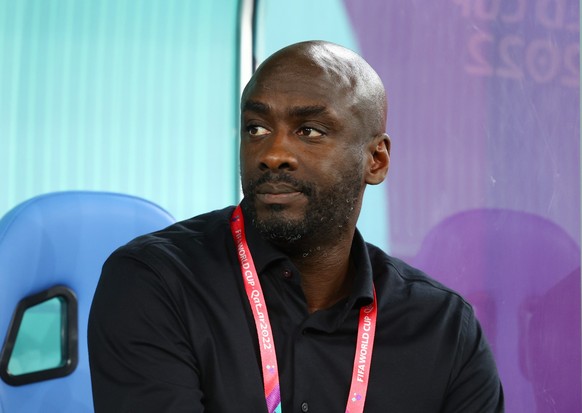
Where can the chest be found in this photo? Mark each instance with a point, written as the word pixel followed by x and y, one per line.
pixel 315 354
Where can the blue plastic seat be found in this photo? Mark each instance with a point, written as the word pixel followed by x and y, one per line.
pixel 62 239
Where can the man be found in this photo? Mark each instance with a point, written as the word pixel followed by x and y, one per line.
pixel 280 305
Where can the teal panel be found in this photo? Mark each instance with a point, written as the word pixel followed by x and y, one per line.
pixel 280 23
pixel 128 96
pixel 38 344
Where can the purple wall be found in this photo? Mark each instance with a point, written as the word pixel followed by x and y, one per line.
pixel 484 186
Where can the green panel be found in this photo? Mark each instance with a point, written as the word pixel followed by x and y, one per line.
pixel 128 96
pixel 280 23
pixel 38 344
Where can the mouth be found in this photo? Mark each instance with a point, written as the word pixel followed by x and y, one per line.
pixel 277 193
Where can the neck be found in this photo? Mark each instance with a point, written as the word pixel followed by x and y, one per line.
pixel 326 274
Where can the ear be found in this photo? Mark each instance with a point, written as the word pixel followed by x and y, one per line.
pixel 378 159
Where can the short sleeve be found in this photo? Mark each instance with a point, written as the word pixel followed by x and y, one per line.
pixel 475 386
pixel 139 350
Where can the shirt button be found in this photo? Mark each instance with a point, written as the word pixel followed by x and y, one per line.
pixel 304 407
pixel 287 274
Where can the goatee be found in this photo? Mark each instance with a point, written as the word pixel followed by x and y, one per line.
pixel 326 218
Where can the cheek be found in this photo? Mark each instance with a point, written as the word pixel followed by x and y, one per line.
pixel 245 158
pixel 248 169
pixel 338 163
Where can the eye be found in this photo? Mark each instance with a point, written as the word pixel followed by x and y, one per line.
pixel 310 132
pixel 255 130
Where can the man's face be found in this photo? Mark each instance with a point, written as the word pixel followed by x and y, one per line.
pixel 302 157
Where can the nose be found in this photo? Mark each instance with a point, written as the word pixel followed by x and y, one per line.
pixel 278 153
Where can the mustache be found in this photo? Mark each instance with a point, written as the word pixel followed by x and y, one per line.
pixel 271 177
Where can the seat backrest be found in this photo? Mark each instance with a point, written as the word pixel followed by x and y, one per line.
pixel 62 239
pixel 504 262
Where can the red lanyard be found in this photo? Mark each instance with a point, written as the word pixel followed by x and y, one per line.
pixel 365 342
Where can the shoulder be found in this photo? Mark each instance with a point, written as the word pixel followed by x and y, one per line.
pixel 199 236
pixel 405 282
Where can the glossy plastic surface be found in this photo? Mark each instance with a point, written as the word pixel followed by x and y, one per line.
pixel 63 239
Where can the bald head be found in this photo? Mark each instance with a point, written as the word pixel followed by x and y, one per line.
pixel 312 137
pixel 350 73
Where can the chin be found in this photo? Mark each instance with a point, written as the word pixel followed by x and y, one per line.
pixel 279 216
pixel 279 225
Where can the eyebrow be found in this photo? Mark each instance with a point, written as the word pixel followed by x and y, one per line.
pixel 295 111
pixel 255 106
pixel 306 111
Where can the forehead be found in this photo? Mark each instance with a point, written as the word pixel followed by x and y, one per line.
pixel 299 82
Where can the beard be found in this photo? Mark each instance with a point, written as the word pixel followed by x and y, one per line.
pixel 325 219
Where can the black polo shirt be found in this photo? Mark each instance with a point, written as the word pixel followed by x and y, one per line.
pixel 171 330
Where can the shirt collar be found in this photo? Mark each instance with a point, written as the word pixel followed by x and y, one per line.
pixel 362 291
pixel 363 288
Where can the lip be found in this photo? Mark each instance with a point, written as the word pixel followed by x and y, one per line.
pixel 277 193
